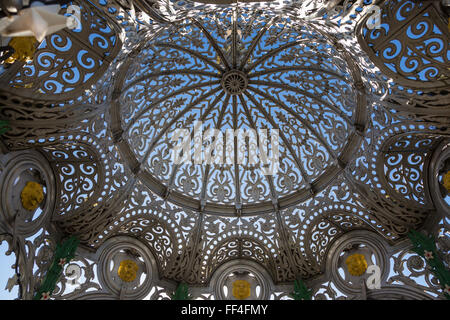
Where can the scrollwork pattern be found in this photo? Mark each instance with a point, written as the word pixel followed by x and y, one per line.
pixel 354 154
pixel 411 46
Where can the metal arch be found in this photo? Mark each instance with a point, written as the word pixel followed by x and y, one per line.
pixel 193 53
pixel 310 128
pixel 255 42
pixel 213 43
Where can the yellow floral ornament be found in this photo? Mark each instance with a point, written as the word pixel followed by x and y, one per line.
pixel 32 195
pixel 356 264
pixel 446 181
pixel 127 270
pixel 241 289
pixel 24 49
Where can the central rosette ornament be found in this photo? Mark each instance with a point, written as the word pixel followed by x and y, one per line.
pixel 234 82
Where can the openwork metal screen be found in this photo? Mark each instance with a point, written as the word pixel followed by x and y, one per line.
pixel 362 116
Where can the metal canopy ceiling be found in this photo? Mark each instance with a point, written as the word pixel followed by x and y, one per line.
pixel 238 69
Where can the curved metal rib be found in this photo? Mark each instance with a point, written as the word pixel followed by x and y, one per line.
pixel 166 73
pixel 302 121
pixel 305 93
pixel 213 43
pixel 208 166
pixel 237 181
pixel 177 117
pixel 186 89
pixel 192 53
pixel 255 42
pixel 234 39
pixel 283 137
pixel 202 118
pixel 269 178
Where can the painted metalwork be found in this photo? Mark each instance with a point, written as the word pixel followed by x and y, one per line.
pixel 363 118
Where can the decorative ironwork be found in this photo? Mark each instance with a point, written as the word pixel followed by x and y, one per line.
pixel 426 248
pixel 301 292
pixel 63 254
pixel 362 158
pixel 68 61
pixel 411 45
pixel 234 82
pixel 215 69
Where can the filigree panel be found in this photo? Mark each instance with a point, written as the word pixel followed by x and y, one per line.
pixel 412 270
pixel 67 61
pixel 79 277
pixel 225 239
pixel 85 182
pixel 367 175
pixel 354 149
pixel 404 165
pixel 78 172
pixel 411 46
pixel 166 228
pixel 33 258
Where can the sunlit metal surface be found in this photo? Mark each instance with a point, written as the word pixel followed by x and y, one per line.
pixel 363 117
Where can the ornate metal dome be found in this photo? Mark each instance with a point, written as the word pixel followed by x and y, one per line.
pixel 239 69
pixel 357 91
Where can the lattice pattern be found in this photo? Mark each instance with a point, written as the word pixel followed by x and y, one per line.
pixel 355 148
